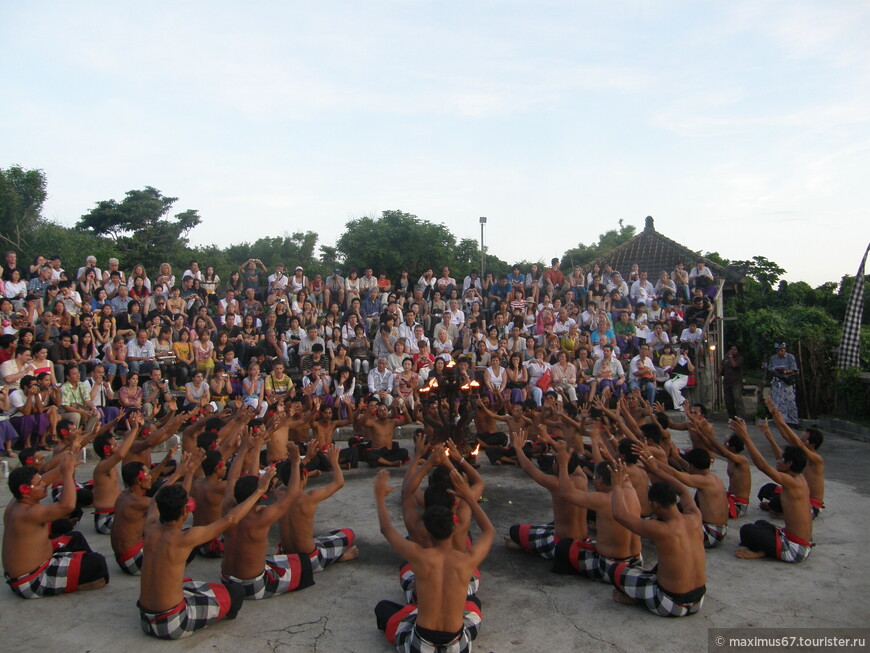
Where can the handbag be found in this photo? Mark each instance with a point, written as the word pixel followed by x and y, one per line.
pixel 545 381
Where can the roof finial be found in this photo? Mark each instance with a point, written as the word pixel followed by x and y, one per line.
pixel 649 226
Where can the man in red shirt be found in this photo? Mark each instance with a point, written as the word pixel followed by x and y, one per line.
pixel 553 279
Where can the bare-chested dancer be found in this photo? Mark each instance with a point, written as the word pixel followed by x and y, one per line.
pixel 208 492
pixel 443 618
pixel 441 459
pixel 677 587
pixel 106 481
pixel 383 450
pixel 246 562
pixel 614 543
pixel 569 518
pixel 739 475
pixel 793 543
pixel 170 607
pixel 324 430
pixel 710 495
pixel 297 523
pixel 131 509
pixel 35 566
pixel 810 441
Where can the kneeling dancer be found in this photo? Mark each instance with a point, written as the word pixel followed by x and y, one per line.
pixel 169 606
pixel 35 566
pixel 443 619
pixel 677 587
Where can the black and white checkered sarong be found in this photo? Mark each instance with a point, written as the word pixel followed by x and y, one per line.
pixel 103 520
pixel 282 574
pixel 401 630
pixel 713 534
pixel 57 575
pixel 203 604
pixel 330 547
pixel 536 539
pixel 585 559
pixel 643 586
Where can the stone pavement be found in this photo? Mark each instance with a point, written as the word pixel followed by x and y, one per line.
pixel 525 608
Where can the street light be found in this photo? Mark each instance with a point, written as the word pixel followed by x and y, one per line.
pixel 482 274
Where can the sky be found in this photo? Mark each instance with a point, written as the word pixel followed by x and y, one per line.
pixel 741 127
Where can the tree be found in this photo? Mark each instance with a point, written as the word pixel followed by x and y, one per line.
pixel 50 239
pixel 764 271
pixel 22 194
pixel 291 250
pixel 394 242
pixel 140 227
pixel 583 254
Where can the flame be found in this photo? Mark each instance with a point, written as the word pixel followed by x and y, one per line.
pixel 465 387
pixel 476 450
pixel 474 384
pixel 451 364
pixel 433 383
pixel 424 389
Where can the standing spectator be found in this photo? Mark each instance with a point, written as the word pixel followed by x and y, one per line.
pixel 11 264
pixel 784 368
pixel 732 383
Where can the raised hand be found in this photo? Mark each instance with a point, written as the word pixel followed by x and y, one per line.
pixel 312 449
pixel 266 479
pixel 419 445
pixel 619 474
pixel 292 453
pixel 460 487
pixel 382 484
pixel 563 452
pixel 642 452
pixel 739 427
pixel 645 408
pixel 453 451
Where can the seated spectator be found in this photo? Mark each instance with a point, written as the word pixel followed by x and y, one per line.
pixel 701 278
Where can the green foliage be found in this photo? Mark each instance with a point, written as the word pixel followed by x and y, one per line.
pixel 762 270
pixel 853 394
pixel 140 227
pixel 756 331
pixel 22 194
pixel 398 240
pixel 717 258
pixel 49 239
pixel 832 298
pixel 583 254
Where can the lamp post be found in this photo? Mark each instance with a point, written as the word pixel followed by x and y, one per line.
pixel 482 271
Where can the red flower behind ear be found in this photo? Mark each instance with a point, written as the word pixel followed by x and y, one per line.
pixel 64 432
pixel 29 460
pixel 146 431
pixel 191 504
pixel 220 464
pixel 141 475
pixel 24 490
pixel 107 450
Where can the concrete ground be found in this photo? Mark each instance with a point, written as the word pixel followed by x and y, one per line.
pixel 525 608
